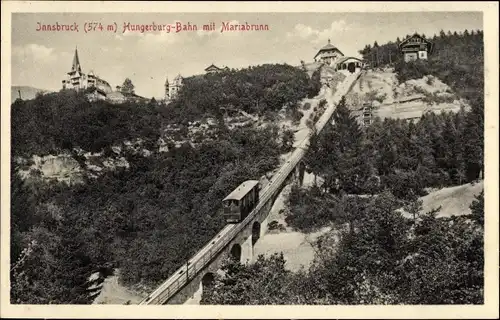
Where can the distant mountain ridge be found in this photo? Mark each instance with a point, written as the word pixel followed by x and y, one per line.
pixel 27 92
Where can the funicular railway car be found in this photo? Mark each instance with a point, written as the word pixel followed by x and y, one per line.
pixel 241 201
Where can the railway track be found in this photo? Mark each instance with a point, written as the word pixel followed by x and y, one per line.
pixel 183 275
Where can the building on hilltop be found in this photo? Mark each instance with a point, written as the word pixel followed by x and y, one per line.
pixel 331 56
pixel 95 87
pixel 214 69
pixel 78 80
pixel 415 47
pixel 172 89
pixel 328 54
pixel 348 64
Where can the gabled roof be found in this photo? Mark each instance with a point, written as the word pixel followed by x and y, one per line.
pixel 343 59
pixel 414 36
pixel 242 190
pixel 211 67
pixel 328 47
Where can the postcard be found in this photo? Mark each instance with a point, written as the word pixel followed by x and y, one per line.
pixel 267 160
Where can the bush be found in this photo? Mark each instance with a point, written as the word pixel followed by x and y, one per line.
pixel 322 103
pixel 296 116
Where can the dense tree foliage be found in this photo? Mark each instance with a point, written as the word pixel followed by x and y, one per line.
pixel 61 121
pixel 264 282
pixel 128 86
pixel 337 152
pixel 315 83
pixel 147 219
pixel 254 90
pixel 376 254
pixel 163 203
pixel 385 258
pixel 457 59
pixel 405 157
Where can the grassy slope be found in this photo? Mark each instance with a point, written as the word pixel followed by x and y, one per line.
pixel 454 200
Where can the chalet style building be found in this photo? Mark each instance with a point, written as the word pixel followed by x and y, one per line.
pixel 214 69
pixel 415 47
pixel 328 54
pixel 172 89
pixel 331 56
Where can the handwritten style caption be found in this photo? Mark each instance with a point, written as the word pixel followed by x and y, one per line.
pixel 95 27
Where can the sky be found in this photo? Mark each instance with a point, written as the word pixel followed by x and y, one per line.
pixel 41 59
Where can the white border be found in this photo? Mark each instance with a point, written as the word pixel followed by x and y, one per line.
pixel 489 310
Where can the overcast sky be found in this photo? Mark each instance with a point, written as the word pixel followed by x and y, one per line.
pixel 41 59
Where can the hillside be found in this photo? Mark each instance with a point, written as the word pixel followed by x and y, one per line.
pixel 405 100
pixel 151 177
pixel 27 93
pixel 457 59
pixel 454 200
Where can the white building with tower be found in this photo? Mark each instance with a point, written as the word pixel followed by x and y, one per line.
pixel 172 88
pixel 76 79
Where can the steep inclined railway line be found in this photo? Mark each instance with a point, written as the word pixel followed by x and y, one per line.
pixel 187 272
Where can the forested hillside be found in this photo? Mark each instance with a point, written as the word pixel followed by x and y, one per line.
pixel 376 257
pixel 457 59
pixel 255 90
pixel 375 253
pixel 383 249
pixel 147 219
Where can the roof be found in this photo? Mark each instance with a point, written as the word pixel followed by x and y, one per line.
pixel 414 36
pixel 76 63
pixel 212 66
pixel 328 47
pixel 343 59
pixel 242 190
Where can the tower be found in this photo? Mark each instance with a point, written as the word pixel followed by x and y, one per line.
pixel 75 76
pixel 76 62
pixel 167 92
pixel 172 89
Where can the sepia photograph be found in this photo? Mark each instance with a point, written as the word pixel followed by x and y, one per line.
pixel 248 157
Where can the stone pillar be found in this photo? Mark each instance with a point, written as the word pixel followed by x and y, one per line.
pixel 247 250
pixel 263 226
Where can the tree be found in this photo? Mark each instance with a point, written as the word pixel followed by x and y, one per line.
pixel 359 270
pixel 437 268
pixel 477 209
pixel 288 138
pixel 315 83
pixel 336 153
pixel 265 282
pixel 153 102
pixel 128 86
pixel 474 140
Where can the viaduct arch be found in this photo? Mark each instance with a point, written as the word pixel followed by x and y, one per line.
pixel 236 252
pixel 255 232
